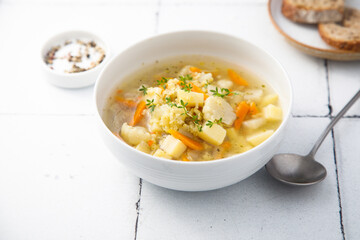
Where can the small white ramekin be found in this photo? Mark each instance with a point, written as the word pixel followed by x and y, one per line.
pixel 72 80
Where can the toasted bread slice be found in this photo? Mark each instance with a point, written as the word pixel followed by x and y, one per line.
pixel 313 11
pixel 344 35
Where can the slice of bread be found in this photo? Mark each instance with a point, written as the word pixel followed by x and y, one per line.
pixel 345 35
pixel 313 11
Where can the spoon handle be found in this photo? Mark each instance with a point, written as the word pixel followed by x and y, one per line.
pixel 332 123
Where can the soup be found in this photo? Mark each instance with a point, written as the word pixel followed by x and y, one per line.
pixel 193 108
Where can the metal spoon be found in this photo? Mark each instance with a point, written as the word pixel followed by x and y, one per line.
pixel 304 170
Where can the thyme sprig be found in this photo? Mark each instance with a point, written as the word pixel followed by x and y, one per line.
pixel 210 123
pixel 188 87
pixel 150 104
pixel 143 89
pixel 170 102
pixel 193 117
pixel 222 92
pixel 162 82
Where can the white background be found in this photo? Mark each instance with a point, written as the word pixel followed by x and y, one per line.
pixel 58 181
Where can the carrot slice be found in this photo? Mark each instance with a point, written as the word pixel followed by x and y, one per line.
pixel 253 109
pixel 138 113
pixel 186 140
pixel 150 142
pixel 241 111
pixel 184 158
pixel 226 145
pixel 126 102
pixel 198 90
pixel 236 78
pixel 195 69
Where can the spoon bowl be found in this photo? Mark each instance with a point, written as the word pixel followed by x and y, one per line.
pixel 296 169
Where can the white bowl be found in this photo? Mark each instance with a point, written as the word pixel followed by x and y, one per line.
pixel 72 80
pixel 194 176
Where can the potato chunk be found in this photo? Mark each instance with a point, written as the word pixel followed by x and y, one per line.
pixel 214 135
pixel 253 95
pixel 270 99
pixel 162 154
pixel 172 146
pixel 258 138
pixel 254 123
pixel 143 147
pixel 192 98
pixel 134 135
pixel 272 113
pixel 216 108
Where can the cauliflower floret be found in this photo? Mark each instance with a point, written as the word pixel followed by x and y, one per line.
pixel 134 135
pixel 203 78
pixel 216 108
pixel 185 70
pixel 223 83
pixel 210 88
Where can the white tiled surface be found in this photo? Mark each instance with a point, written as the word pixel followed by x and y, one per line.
pixel 346 132
pixel 58 181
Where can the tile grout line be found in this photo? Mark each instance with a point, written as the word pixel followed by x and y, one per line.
pixel 342 228
pixel 138 203
pixel 334 151
pixel 328 86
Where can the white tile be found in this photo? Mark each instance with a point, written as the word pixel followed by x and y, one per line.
pixel 252 23
pixel 214 2
pixel 135 2
pixel 58 181
pixel 257 208
pixel 24 28
pixel 80 2
pixel 347 134
pixel 344 81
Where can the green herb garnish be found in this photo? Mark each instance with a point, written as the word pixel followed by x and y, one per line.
pixel 143 89
pixel 150 104
pixel 170 102
pixel 183 80
pixel 162 82
pixel 187 87
pixel 194 118
pixel 210 123
pixel 223 92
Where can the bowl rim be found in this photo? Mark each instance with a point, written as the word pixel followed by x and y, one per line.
pixel 210 162
pixel 73 32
